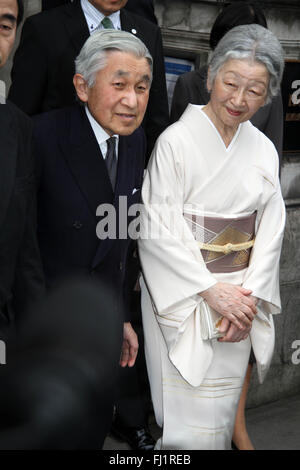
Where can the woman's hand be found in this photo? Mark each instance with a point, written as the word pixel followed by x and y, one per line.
pixel 232 302
pixel 232 333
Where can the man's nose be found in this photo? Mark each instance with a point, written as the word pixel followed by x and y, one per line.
pixel 130 98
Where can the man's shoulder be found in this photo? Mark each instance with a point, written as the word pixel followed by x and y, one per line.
pixel 194 76
pixel 10 110
pixel 139 21
pixel 52 16
pixel 55 117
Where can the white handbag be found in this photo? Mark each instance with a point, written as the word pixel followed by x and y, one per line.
pixel 210 321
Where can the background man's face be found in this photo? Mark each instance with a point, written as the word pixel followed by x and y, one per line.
pixel 8 26
pixel 119 96
pixel 107 7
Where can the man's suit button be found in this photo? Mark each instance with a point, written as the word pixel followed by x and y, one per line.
pixel 77 224
pixel 121 266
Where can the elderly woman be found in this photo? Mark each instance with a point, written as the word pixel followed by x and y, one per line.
pixel 212 228
pixel 191 86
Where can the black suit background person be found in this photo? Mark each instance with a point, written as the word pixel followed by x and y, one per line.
pixel 47 4
pixel 52 39
pixel 140 7
pixel 21 278
pixel 144 8
pixel 74 180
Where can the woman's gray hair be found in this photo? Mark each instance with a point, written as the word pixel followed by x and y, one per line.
pixel 255 43
pixel 93 55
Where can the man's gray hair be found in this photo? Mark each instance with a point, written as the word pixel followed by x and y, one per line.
pixel 255 43
pixel 93 55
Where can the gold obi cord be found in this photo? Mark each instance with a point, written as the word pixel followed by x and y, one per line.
pixel 225 243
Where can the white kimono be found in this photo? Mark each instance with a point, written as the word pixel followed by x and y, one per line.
pixel 196 384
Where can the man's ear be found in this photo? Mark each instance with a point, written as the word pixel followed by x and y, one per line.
pixel 80 87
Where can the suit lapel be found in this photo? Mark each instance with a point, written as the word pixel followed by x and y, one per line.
pixel 85 160
pixel 9 150
pixel 76 25
pixel 128 24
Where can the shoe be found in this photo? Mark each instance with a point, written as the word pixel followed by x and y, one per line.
pixel 138 438
pixel 233 446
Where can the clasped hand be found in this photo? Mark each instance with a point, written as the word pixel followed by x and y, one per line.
pixel 236 305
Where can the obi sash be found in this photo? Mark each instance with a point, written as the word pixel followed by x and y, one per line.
pixel 225 243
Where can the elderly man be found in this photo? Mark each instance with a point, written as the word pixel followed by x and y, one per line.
pixel 52 39
pixel 21 279
pixel 91 160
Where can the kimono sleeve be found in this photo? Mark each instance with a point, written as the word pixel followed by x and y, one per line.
pixel 262 275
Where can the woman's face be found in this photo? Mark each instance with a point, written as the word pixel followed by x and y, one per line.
pixel 239 90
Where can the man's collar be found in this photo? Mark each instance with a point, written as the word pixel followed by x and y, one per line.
pixel 99 132
pixel 2 92
pixel 94 17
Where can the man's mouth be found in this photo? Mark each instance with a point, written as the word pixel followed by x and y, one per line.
pixel 126 116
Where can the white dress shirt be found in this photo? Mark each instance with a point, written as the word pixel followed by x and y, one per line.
pixel 94 17
pixel 100 134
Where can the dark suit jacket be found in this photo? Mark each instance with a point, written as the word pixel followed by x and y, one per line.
pixel 191 88
pixel 42 74
pixel 47 4
pixel 139 7
pixel 144 8
pixel 21 279
pixel 72 183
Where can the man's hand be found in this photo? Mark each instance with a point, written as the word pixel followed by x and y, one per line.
pixel 233 302
pixel 130 346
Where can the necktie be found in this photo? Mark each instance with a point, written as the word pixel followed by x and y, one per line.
pixel 111 160
pixel 107 23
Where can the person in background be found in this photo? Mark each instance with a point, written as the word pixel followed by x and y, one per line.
pixel 212 224
pixel 191 86
pixel 47 4
pixel 21 274
pixel 49 53
pixel 139 7
pixel 144 8
pixel 94 160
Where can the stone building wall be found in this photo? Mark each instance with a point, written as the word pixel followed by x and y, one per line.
pixel 194 16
